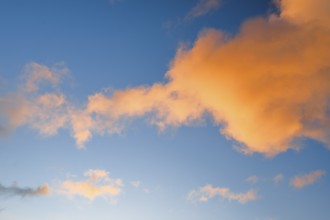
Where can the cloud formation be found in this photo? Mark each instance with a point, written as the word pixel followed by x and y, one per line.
pixel 207 192
pixel 15 190
pixel 265 87
pixel 202 8
pixel 97 184
pixel 307 179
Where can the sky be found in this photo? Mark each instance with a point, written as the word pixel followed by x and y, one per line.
pixel 191 109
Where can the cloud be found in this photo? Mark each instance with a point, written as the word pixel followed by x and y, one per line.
pixel 202 8
pixel 307 179
pixel 265 87
pixel 36 74
pixel 15 190
pixel 278 178
pixel 34 103
pixel 207 192
pixel 305 11
pixel 252 179
pixel 136 184
pixel 97 184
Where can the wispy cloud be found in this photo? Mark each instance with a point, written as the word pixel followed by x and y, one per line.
pixel 34 103
pixel 136 184
pixel 307 179
pixel 97 184
pixel 36 75
pixel 15 190
pixel 278 178
pixel 202 8
pixel 207 192
pixel 252 179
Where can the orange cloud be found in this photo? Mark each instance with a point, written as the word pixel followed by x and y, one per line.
pixel 98 184
pixel 307 179
pixel 36 74
pixel 305 11
pixel 43 111
pixel 208 191
pixel 265 87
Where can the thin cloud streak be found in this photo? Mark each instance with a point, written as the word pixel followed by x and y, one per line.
pixel 252 179
pixel 208 192
pixel 307 179
pixel 202 8
pixel 15 190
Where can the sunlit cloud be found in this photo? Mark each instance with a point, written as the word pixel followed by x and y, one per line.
pixel 35 75
pixel 207 192
pixel 265 87
pixel 97 184
pixel 307 179
pixel 202 8
pixel 306 11
pixel 34 103
pixel 15 190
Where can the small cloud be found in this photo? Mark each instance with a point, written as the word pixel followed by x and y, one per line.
pixel 36 74
pixel 252 179
pixel 15 190
pixel 97 184
pixel 202 8
pixel 136 184
pixel 307 179
pixel 146 190
pixel 278 178
pixel 207 192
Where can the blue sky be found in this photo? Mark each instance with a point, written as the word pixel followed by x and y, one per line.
pixel 200 109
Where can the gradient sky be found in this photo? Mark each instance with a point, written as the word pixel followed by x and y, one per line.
pixel 157 110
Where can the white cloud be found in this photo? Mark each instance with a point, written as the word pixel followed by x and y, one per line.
pixel 136 184
pixel 207 192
